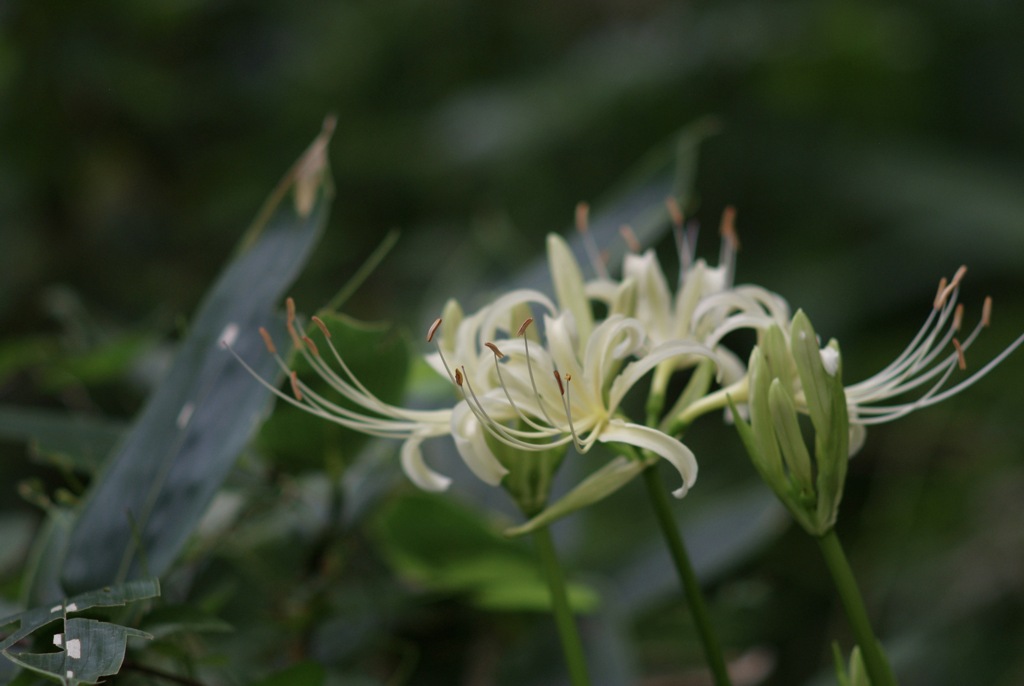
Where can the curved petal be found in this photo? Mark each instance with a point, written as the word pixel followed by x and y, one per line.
pixel 569 284
pixel 418 471
pixel 451 321
pixel 654 301
pixel 605 291
pixel 498 314
pixel 472 446
pixel 858 434
pixel 562 343
pixel 634 371
pixel 613 340
pixel 661 444
pixel 690 293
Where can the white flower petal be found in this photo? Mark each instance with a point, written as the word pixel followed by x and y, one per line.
pixel 569 285
pixel 858 434
pixel 472 446
pixel 562 343
pixel 634 371
pixel 613 340
pixel 654 302
pixel 661 444
pixel 418 471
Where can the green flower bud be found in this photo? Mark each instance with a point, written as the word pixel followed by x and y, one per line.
pixel 787 374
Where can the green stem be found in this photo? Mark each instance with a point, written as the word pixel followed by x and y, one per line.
pixel 572 647
pixel 691 587
pixel 842 575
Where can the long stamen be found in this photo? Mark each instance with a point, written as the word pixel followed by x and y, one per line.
pixel 916 355
pixel 567 403
pixel 730 243
pixel 583 227
pixel 498 355
pixel 430 339
pixel 529 368
pixel 632 242
pixel 289 304
pixel 393 423
pixel 684 249
pixel 932 398
pixel 900 377
pixel 311 345
pixel 960 357
pixel 501 432
pixel 953 284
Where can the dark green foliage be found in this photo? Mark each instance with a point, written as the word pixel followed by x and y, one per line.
pixel 869 148
pixel 88 649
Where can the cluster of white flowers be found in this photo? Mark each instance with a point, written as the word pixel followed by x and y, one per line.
pixel 534 373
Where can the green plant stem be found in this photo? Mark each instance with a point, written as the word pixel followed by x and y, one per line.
pixel 691 587
pixel 842 575
pixel 572 647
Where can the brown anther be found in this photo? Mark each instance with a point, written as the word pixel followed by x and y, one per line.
pixel 945 292
pixel 494 349
pixel 568 378
pixel 728 227
pixel 674 212
pixel 433 329
pixel 268 341
pixel 958 317
pixel 289 305
pixel 458 377
pixel 582 217
pixel 631 240
pixel 294 377
pixel 939 294
pixel 959 276
pixel 561 386
pixel 524 326
pixel 290 321
pixel 986 311
pixel 961 360
pixel 323 327
pixel 311 345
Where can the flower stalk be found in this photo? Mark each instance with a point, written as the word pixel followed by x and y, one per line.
pixel 687 576
pixel 874 658
pixel 568 634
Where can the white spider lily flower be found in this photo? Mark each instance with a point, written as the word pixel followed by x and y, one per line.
pixel 791 373
pixel 925 366
pixel 531 398
pixel 669 316
pixel 540 397
pixel 704 307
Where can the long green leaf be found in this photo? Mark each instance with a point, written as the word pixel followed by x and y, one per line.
pixel 140 512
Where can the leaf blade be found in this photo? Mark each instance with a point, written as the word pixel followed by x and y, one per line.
pixel 187 438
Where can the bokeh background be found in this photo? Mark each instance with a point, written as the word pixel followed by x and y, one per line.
pixel 869 148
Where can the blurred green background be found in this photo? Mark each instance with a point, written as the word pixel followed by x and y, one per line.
pixel 870 148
